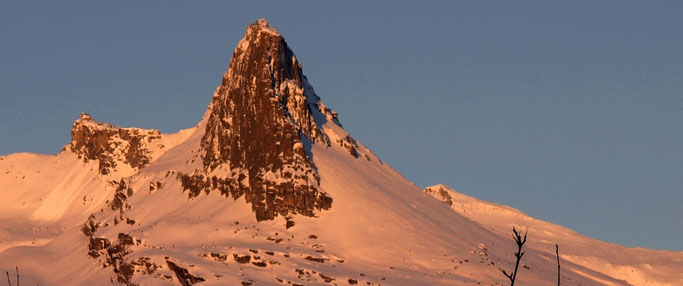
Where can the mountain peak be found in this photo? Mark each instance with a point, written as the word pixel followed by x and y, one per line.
pixel 259 131
pixel 85 117
pixel 262 121
pixel 263 94
pixel 262 25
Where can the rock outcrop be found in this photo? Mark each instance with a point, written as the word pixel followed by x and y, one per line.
pixel 112 145
pixel 184 276
pixel 439 193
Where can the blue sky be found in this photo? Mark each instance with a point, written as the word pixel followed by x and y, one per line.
pixel 571 112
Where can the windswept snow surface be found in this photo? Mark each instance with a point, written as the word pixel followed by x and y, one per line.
pixel 637 266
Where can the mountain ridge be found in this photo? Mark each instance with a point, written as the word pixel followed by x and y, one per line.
pixel 341 217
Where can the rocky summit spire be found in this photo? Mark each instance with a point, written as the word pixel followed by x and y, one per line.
pixel 262 118
pixel 263 87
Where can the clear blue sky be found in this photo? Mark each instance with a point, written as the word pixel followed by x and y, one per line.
pixel 571 112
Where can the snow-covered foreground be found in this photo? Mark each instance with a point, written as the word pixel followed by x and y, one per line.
pixel 381 229
pixel 133 206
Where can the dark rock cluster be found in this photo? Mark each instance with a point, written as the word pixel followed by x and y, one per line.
pixel 110 145
pixel 440 194
pixel 183 275
pixel 116 255
pixel 197 184
pixel 118 203
pixel 350 145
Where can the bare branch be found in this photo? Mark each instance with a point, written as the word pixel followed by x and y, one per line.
pixel 517 237
pixel 509 276
pixel 557 252
pixel 8 281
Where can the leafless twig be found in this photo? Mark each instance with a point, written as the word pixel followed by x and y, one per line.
pixel 557 252
pixel 520 242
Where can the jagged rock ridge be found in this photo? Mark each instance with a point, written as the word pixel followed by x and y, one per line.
pixel 112 145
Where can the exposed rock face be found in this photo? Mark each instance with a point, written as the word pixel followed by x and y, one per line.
pixel 350 145
pixel 118 203
pixel 112 145
pixel 184 276
pixel 122 192
pixel 440 194
pixel 262 118
pixel 115 254
pixel 263 100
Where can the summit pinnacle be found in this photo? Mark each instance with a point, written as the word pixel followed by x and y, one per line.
pixel 261 123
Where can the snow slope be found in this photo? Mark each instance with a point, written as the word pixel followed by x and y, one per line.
pixel 638 266
pixel 381 229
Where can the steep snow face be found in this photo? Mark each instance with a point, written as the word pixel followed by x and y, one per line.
pixel 637 266
pixel 48 188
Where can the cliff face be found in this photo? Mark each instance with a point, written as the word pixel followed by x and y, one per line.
pixel 112 145
pixel 262 118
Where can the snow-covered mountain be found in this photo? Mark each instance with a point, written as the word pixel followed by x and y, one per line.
pixel 268 189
